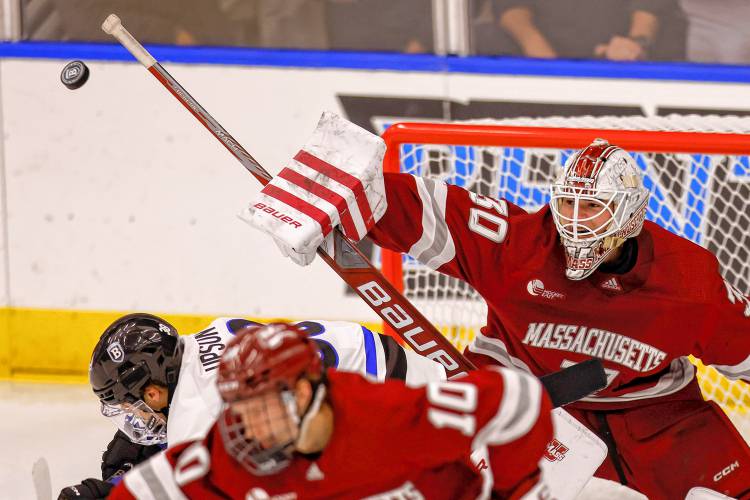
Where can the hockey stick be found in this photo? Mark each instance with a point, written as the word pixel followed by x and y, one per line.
pixel 348 262
pixel 41 478
pixel 574 382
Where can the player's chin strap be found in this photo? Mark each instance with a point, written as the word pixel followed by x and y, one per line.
pixel 319 395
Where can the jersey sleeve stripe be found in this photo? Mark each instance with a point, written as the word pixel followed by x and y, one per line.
pixel 163 472
pixel 528 406
pixel 154 479
pixel 678 375
pixel 371 355
pixel 740 370
pixel 395 358
pixel 518 411
pixel 137 485
pixel 435 247
pixel 497 350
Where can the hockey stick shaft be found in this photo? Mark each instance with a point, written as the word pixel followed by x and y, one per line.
pixel 348 261
pixel 574 382
pixel 41 477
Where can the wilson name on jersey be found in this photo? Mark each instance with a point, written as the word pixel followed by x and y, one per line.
pixel 345 346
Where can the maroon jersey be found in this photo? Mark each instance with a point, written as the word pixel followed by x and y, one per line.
pixel 389 442
pixel 642 324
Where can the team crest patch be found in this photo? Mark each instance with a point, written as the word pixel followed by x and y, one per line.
pixel 115 352
pixel 555 451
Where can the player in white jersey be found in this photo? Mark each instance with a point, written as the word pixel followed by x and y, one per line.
pixel 159 387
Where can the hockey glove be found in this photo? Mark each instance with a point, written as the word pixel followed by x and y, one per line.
pixel 122 454
pixel 88 489
pixel 336 179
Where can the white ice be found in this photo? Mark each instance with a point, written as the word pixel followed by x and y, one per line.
pixel 58 422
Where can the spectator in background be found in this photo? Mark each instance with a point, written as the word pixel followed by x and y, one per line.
pixel 619 30
pixel 380 25
pixel 486 38
pixel 383 25
pixel 717 30
pixel 180 22
pixel 282 24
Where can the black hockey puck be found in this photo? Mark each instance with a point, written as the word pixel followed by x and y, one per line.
pixel 74 74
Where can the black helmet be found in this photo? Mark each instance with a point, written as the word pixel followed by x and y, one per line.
pixel 134 351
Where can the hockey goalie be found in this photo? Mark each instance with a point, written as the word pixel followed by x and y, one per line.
pixel 584 277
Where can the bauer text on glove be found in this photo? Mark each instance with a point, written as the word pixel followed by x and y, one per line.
pixel 336 179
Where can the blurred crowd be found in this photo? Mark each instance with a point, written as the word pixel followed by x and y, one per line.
pixel 623 30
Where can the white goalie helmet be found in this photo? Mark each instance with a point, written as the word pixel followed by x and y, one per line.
pixel 597 203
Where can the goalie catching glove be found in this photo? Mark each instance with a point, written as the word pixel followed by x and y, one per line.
pixel 336 179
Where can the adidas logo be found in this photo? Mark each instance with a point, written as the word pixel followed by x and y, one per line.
pixel 314 473
pixel 611 284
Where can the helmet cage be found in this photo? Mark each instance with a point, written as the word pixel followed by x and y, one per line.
pixel 259 435
pixel 607 182
pixel 258 372
pixel 574 228
pixel 587 247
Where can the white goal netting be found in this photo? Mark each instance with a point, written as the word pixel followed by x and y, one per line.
pixel 696 167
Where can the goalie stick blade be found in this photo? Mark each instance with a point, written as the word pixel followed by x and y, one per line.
pixel 575 382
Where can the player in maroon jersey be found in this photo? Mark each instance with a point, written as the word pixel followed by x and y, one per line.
pixel 292 430
pixel 583 277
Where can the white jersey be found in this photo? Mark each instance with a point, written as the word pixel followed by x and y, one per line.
pixel 196 401
pixel 352 347
pixel 345 346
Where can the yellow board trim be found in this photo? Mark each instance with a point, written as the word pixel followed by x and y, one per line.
pixel 54 345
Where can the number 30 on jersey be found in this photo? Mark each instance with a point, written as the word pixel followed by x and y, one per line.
pixel 485 220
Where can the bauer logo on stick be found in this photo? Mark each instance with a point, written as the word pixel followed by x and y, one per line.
pixel 74 74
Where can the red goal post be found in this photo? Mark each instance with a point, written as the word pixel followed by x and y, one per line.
pixel 697 168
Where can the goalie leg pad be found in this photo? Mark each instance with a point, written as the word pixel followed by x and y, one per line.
pixel 705 494
pixel 572 457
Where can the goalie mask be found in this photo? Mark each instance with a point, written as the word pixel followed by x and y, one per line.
pixel 258 374
pixel 597 203
pixel 133 352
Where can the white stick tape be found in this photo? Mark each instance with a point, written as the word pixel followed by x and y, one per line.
pixel 113 26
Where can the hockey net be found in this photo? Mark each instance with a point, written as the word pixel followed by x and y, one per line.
pixel 696 167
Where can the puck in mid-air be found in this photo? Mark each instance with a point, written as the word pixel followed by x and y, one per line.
pixel 74 74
